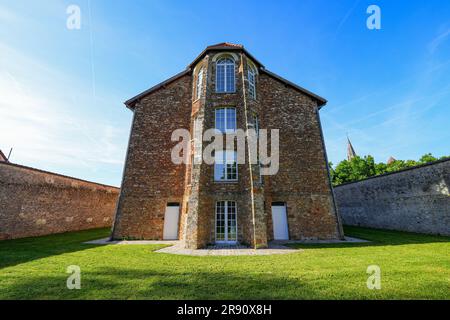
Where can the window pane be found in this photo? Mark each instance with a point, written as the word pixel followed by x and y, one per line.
pixel 220 119
pixel 219 172
pixel 225 166
pixel 231 220
pixel 219 157
pixel 220 220
pixel 231 165
pixel 225 75
pixel 252 83
pixel 230 78
pixel 226 119
pixel 199 84
pixel 232 171
pixel 231 119
pixel 256 123
pixel 220 78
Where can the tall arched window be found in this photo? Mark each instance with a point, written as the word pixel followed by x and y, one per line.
pixel 198 87
pixel 225 75
pixel 252 82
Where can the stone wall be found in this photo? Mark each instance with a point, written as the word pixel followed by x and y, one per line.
pixel 416 200
pixel 35 202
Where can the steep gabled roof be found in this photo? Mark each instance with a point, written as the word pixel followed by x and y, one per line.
pixel 350 150
pixel 224 46
pixel 321 101
pixel 130 103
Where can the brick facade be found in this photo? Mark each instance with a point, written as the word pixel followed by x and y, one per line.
pixel 151 180
pixel 35 203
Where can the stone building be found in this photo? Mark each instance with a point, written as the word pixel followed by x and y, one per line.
pixel 226 88
pixel 3 158
pixel 350 150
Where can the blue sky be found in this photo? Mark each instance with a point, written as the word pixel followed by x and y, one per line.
pixel 62 90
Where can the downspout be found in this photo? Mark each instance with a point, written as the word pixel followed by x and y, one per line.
pixel 252 196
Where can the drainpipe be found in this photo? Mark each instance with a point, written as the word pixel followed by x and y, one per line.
pixel 252 195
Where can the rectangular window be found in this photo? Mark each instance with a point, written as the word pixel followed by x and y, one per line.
pixel 251 84
pixel 226 222
pixel 197 140
pixel 220 78
pixel 225 166
pixel 256 123
pixel 199 85
pixel 225 76
pixel 230 78
pixel 226 120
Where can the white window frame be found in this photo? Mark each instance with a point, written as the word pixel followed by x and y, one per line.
pixel 226 120
pixel 225 161
pixel 226 65
pixel 251 82
pixel 199 84
pixel 226 241
pixel 256 124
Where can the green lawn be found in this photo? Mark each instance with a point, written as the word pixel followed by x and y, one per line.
pixel 413 267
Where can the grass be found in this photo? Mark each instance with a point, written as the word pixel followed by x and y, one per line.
pixel 413 266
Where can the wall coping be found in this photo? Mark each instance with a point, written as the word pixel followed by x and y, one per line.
pixel 395 172
pixel 55 174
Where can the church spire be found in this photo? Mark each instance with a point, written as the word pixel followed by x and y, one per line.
pixel 391 160
pixel 350 151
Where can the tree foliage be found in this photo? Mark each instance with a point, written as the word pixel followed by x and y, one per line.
pixel 361 168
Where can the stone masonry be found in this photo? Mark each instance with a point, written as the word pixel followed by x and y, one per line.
pixel 416 200
pixel 35 202
pixel 151 180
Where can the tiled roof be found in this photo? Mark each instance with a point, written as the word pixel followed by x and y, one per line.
pixel 224 45
pixel 350 150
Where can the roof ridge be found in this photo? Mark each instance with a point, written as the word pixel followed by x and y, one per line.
pixel 226 44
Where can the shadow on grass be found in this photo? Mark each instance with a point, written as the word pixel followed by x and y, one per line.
pixel 377 237
pixel 123 283
pixel 13 252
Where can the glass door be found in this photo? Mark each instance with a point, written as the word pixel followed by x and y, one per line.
pixel 226 222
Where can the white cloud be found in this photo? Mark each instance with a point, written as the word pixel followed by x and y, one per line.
pixel 436 42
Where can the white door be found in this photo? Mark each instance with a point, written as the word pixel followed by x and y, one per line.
pixel 171 222
pixel 279 220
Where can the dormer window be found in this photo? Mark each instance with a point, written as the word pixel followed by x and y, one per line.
pixel 199 85
pixel 252 82
pixel 225 81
